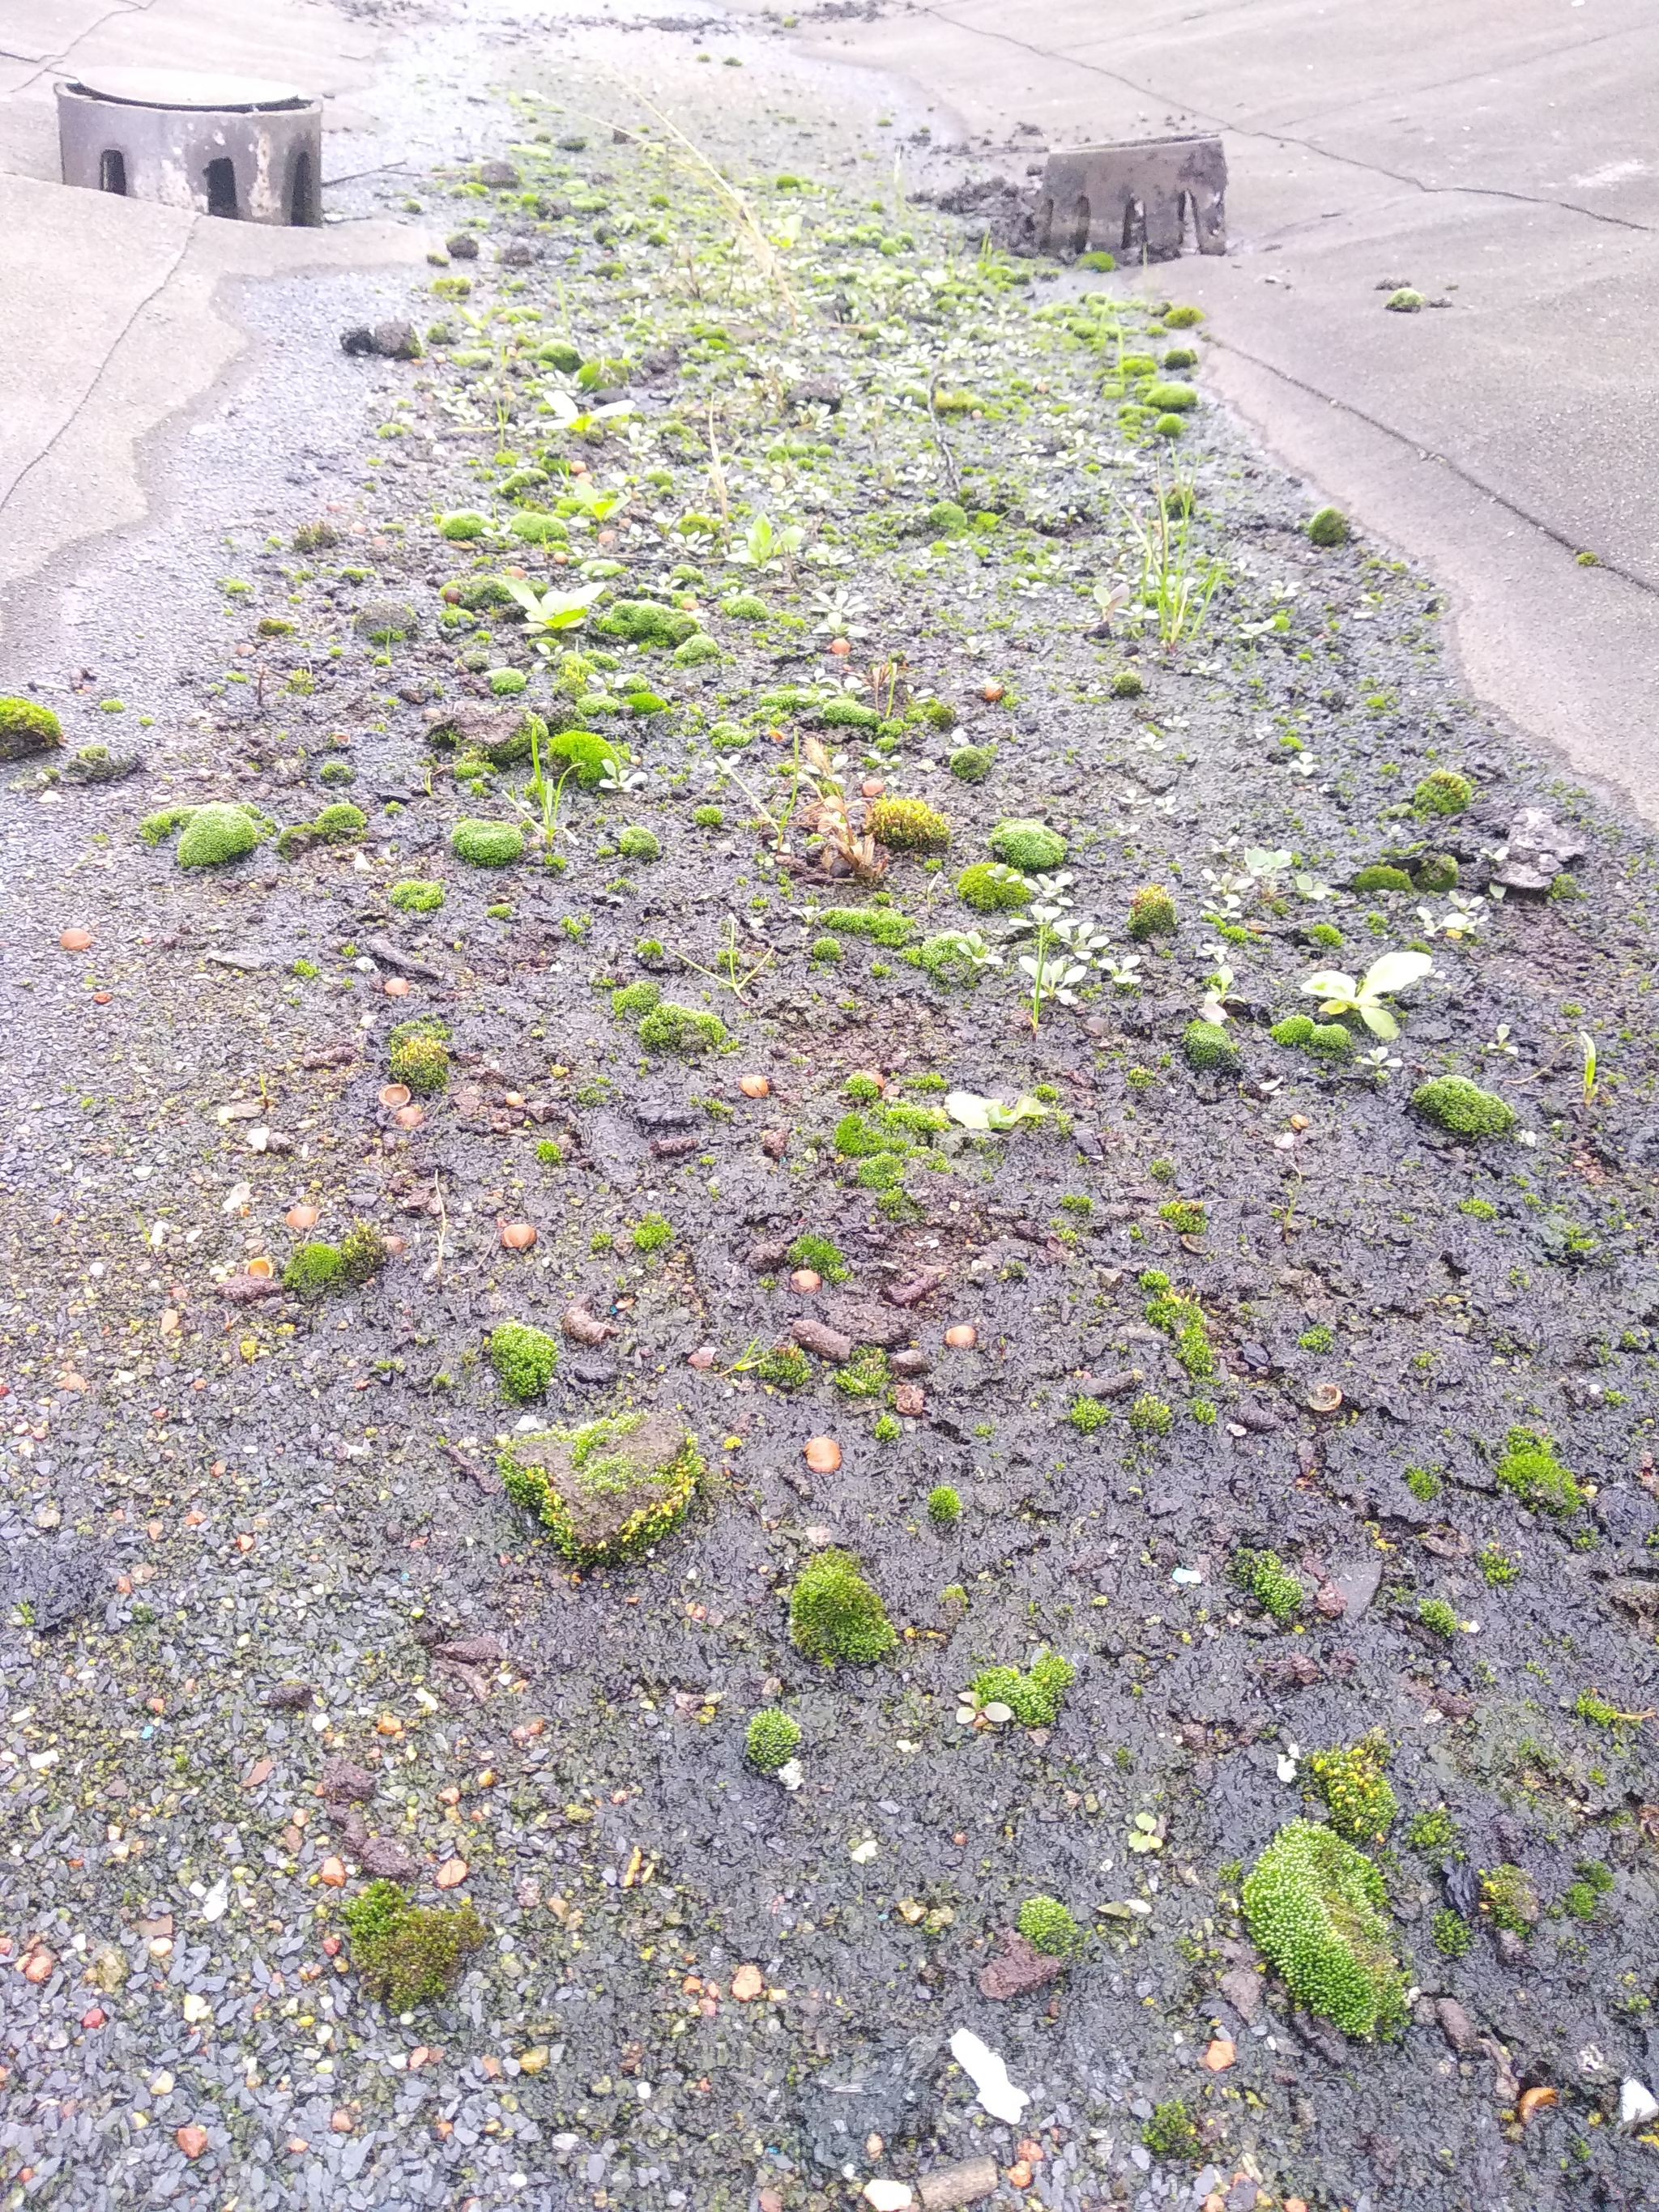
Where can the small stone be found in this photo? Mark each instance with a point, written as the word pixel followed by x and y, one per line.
pixel 341 2123
pixel 463 247
pixel 332 1872
pixel 1454 2024
pixel 396 341
pixel 1636 2105
pixel 501 174
pixel 910 1400
pixel 451 1874
pixel 190 2139
pixel 817 391
pixel 1221 2055
pixel 345 1783
pixel 1018 1967
pixel 1510 1948
pixel 888 2195
pixel 775 1143
pixel 1242 1987
pixel 821 1455
pixel 517 253
pixel 949 2186
pixel 818 1336
pixel 747 1983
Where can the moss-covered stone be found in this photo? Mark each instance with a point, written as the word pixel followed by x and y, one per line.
pixel 1317 1908
pixel 608 1490
pixel 1380 877
pixel 1442 791
pixel 1328 527
pixel 638 843
pixel 1436 872
pixel 26 727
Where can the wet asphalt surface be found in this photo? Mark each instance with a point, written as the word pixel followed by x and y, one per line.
pixel 208 1500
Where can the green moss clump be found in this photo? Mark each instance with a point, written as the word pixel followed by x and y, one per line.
pixel 1317 1908
pixel 1170 399
pixel 1328 527
pixel 771 1741
pixel 1437 1617
pixel 487 844
pixel 609 1489
pixel 413 896
pixel 834 1615
pixel 1355 1791
pixel 944 1506
pixel 408 1954
pixel 591 756
pixel 1294 1030
pixel 336 772
pixel 708 818
pixel 1508 1899
pixel 1127 683
pixel 883 925
pixel 418 1054
pixel 1405 301
pixel 945 519
pixel 531 527
pixel 1435 1830
pixel 1442 791
pixel 1325 933
pixel 1207 1046
pixel 972 763
pixel 1034 1697
pixel 1151 1416
pixel 1186 1215
pixel 341 822
pixel 524 1358
pixel 990 888
pixel 1030 847
pixel 819 1254
pixel 635 843
pixel 1451 1935
pixel 363 1252
pixel 651 1232
pixel 1436 872
pixel 642 622
pixel 826 948
pixel 865 1374
pixel 1182 319
pixel 1381 878
pixel 1453 1103
pixel 26 727
pixel 314 1270
pixel 1269 1582
pixel 1530 1470
pixel 685 1029
pixel 908 825
pixel 215 833
pixel 1048 1926
pixel 634 1001
pixel 1088 1414
pixel 463 526
pixel 1151 914
pixel 696 651
pixel 744 606
pixel 1331 1041
pixel 786 1367
pixel 1171 2132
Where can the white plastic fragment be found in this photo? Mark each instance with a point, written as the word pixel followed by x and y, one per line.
pixel 218 1899
pixel 988 2073
pixel 790 1775
pixel 1636 2103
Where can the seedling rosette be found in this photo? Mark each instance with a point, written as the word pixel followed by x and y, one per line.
pixel 1340 995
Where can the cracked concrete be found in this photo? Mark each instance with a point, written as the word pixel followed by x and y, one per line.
pixel 1495 156
pixel 114 305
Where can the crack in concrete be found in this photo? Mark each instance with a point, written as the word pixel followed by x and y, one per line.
pixel 1468 475
pixel 1286 138
pixel 56 60
pixel 97 375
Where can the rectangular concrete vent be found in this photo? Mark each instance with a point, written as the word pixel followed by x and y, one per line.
pixel 234 147
pixel 1139 201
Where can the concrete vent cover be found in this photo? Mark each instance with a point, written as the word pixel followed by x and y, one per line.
pixel 244 147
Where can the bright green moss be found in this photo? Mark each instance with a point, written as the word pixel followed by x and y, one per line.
pixel 1269 1582
pixel 1187 1216
pixel 1328 527
pixel 685 1029
pixel 1381 878
pixel 1330 1041
pixel 908 825
pixel 945 519
pixel 1171 2132
pixel 834 1615
pixel 972 763
pixel 820 1255
pixel 25 726
pixel 635 843
pixel 652 1232
pixel 1437 1617
pixel 362 1252
pixel 1034 1697
pixel 1127 683
pixel 418 1053
pixel 1530 1470
pixel 1170 399
pixel 1088 1414
pixel 1151 1416
pixel 1451 1935
pixel 865 1374
pixel 487 844
pixel 216 833
pixel 828 949
pixel 1151 914
pixel 1354 1790
pixel 591 756
pixel 1031 848
pixel 1464 1108
pixel 154 829
pixel 412 897
pixel 786 1367
pixel 771 1741
pixel 883 925
pixel 696 651
pixel 944 1506
pixel 314 1270
pixel 1424 1483
pixel 634 1001
pixel 524 1358
pixel 743 606
pixel 990 888
pixel 1294 1030
pixel 643 622
pixel 340 824
pixel 1317 1908
pixel 1432 1832
pixel 1208 1047
pixel 708 818
pixel 406 1953
pixel 1048 1926
pixel 1508 1899
pixel 1442 791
